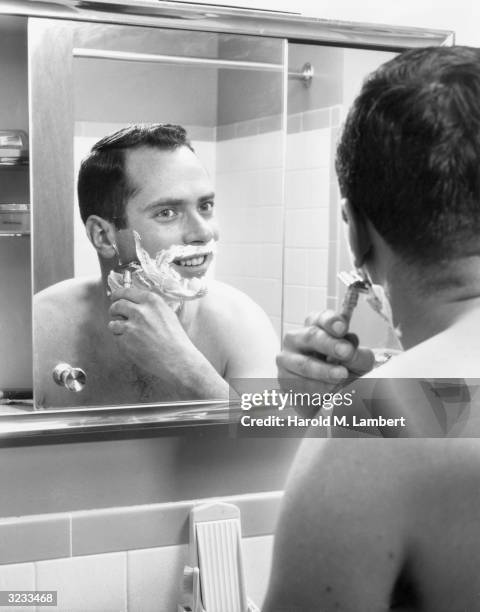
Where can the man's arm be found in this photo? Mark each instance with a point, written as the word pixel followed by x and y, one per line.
pixel 149 332
pixel 340 543
pixel 322 355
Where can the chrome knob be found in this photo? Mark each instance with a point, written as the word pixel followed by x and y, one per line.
pixel 73 379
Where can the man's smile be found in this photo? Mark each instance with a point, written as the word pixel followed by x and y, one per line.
pixel 193 265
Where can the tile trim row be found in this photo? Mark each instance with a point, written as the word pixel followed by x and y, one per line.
pixel 41 537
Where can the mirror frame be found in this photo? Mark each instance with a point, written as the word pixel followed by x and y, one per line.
pixel 43 425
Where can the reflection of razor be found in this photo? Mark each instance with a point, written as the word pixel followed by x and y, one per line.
pixel 355 284
pixel 127 255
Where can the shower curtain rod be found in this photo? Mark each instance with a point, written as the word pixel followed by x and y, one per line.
pixel 305 75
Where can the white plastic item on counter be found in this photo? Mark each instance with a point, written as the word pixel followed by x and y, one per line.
pixel 214 581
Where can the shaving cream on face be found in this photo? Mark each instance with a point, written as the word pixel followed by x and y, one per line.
pixel 158 274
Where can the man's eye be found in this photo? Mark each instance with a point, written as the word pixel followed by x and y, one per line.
pixel 207 206
pixel 166 213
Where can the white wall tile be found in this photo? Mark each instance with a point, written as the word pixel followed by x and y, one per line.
pixel 246 184
pixel 239 225
pixel 270 186
pixel 316 299
pixel 332 302
pixel 242 194
pixel 271 261
pixel 308 188
pixel 226 257
pixel 249 188
pixel 155 578
pixel 307 228
pixel 296 266
pixel 236 190
pixel 250 152
pixel 155 575
pixel 272 149
pixel 309 149
pixel 318 145
pixel 269 226
pixel 207 153
pixel 238 260
pixel 295 158
pixel 96 583
pixel 17 577
pixel 228 156
pixel 317 267
pixel 295 305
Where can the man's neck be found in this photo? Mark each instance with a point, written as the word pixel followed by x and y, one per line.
pixel 430 301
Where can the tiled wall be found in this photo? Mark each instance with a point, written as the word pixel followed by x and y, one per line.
pixel 147 580
pixel 105 564
pixel 249 183
pixel 311 199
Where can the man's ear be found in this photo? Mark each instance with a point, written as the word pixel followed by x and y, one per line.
pixel 101 234
pixel 358 234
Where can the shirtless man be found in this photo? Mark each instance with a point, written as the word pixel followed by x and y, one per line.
pixel 133 347
pixel 371 524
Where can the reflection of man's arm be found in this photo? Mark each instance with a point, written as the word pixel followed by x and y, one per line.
pixel 149 332
pixel 340 540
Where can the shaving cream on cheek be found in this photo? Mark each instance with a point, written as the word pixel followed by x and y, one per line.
pixel 158 274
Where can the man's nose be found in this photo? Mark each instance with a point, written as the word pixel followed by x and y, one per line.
pixel 197 229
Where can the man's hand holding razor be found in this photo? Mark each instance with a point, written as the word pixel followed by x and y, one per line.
pixel 322 355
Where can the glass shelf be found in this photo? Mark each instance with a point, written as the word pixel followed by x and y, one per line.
pixel 14 234
pixel 10 165
pixel 14 219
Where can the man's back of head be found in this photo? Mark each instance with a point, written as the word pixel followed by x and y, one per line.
pixel 409 157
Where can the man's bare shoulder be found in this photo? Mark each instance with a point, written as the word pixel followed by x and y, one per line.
pixel 63 308
pixel 405 477
pixel 380 459
pixel 354 507
pixel 70 292
pixel 240 330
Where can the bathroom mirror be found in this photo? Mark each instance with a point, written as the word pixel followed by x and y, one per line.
pixel 262 97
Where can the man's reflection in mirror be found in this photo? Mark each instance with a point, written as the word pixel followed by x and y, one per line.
pixel 154 326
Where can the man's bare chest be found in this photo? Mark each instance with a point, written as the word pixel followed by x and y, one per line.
pixel 113 377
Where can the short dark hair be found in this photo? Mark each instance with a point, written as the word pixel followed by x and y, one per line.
pixel 409 154
pixel 103 186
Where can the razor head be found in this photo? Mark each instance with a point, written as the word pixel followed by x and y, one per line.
pixel 126 248
pixel 354 280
